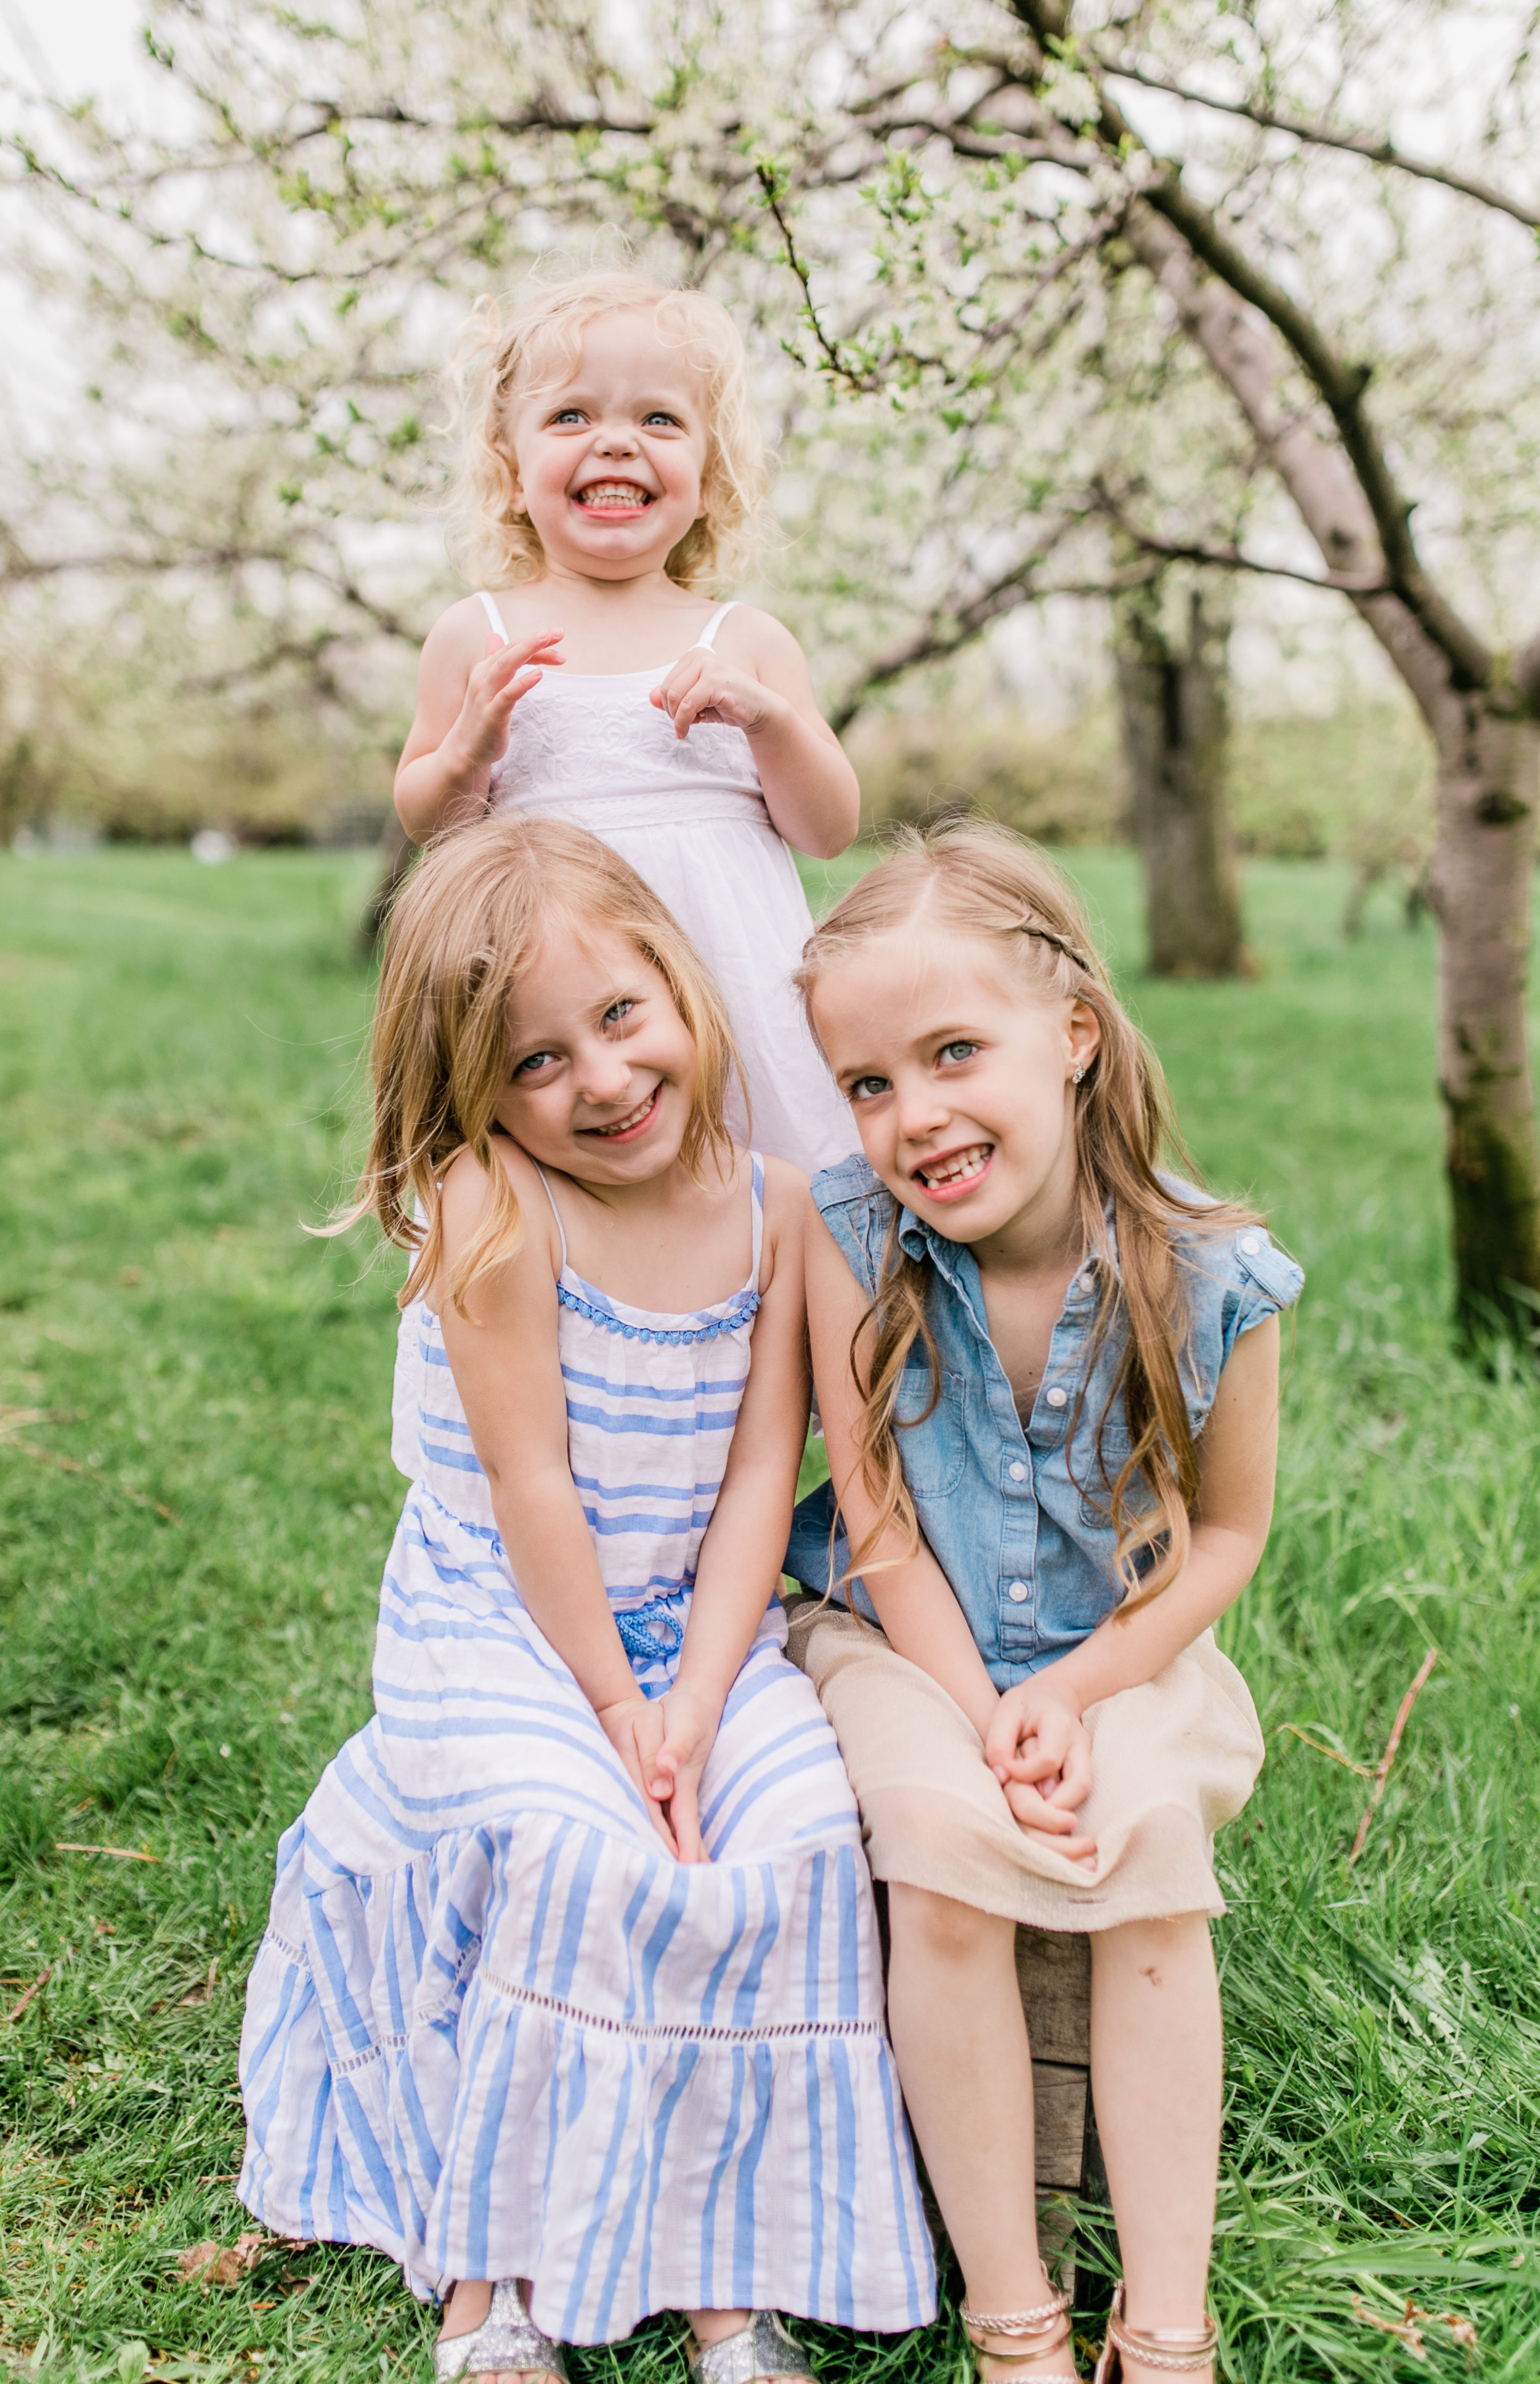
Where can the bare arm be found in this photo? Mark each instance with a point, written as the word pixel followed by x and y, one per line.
pixel 467 685
pixel 1237 1460
pixel 914 1599
pixel 739 1565
pixel 508 1371
pixel 761 685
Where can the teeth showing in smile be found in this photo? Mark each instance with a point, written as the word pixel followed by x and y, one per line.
pixel 601 495
pixel 958 1168
pixel 623 1126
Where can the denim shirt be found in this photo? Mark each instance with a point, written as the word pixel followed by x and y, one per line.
pixel 1019 1518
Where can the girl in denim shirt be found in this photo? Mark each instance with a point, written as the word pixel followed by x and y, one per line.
pixel 1048 1373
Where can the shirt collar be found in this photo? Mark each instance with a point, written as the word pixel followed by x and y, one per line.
pixel 918 1240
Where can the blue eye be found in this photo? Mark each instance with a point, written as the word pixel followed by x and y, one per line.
pixel 867 1088
pixel 669 421
pixel 569 413
pixel 618 1011
pixel 957 1052
pixel 527 1067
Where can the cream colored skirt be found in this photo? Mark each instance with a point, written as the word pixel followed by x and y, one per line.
pixel 1171 1761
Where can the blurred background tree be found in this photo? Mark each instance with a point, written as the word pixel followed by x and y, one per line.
pixel 1064 324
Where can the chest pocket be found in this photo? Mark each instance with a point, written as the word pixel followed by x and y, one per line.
pixel 935 1451
pixel 1096 1475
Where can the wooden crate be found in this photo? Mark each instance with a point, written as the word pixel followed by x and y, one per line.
pixel 1054 1974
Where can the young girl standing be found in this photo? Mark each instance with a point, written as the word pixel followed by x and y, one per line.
pixel 571 1997
pixel 612 471
pixel 1048 1373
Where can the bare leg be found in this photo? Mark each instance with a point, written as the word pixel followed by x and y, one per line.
pixel 954 2011
pixel 1156 2074
pixel 714 2325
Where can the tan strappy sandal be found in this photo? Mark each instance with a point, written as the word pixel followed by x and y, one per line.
pixel 1175 2350
pixel 1043 2330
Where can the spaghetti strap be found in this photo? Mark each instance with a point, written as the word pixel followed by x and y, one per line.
pixel 557 1214
pixel 758 1217
pixel 708 634
pixel 488 606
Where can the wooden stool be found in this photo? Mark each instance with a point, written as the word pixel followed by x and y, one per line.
pixel 1054 1973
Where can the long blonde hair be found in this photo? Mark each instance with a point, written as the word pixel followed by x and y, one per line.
pixel 503 357
pixel 465 926
pixel 969 878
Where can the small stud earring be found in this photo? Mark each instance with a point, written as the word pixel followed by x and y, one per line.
pixel 1078 1075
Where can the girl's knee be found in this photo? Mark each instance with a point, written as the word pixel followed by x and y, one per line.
pixel 1154 1950
pixel 923 1922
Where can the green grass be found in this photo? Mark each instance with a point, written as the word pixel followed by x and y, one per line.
pixel 178 1059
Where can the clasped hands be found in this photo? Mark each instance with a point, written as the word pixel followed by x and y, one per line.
pixel 1039 1750
pixel 664 1743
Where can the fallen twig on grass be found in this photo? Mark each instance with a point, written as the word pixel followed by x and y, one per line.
pixel 16 2009
pixel 1349 1765
pixel 123 1854
pixel 1407 2328
pixel 1388 1757
pixel 73 1465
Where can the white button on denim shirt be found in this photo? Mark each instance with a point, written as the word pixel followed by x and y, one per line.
pixel 1033 1573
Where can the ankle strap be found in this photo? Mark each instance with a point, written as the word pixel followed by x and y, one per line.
pixel 1045 2329
pixel 1176 2350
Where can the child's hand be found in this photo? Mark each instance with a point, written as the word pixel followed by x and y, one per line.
pixel 689 1734
pixel 481 733
pixel 1039 1750
pixel 634 1727
pixel 1033 1813
pixel 702 686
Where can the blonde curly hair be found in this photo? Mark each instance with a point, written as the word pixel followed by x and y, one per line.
pixel 502 357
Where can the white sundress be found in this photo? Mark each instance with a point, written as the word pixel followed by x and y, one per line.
pixel 493 2028
pixel 689 816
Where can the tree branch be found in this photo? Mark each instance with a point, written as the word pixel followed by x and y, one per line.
pixel 1230 558
pixel 862 383
pixel 1327 136
pixel 946 630
pixel 1341 386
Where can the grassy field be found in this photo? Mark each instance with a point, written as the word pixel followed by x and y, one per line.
pixel 195 1498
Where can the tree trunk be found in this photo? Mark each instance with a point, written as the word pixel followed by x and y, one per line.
pixel 1176 735
pixel 1488 754
pixel 397 852
pixel 1484 728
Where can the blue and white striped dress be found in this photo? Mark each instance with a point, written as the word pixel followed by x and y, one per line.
pixel 493 2028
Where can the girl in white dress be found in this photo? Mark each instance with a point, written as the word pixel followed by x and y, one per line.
pixel 571 1995
pixel 612 472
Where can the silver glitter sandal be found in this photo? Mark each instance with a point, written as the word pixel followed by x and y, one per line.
pixel 506 2338
pixel 758 2350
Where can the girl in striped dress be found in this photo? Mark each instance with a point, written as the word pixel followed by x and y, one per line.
pixel 571 1997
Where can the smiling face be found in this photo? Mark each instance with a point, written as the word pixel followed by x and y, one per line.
pixel 609 458
pixel 960 1076
pixel 602 1067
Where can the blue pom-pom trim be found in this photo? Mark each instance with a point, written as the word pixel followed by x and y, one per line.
pixel 747 1308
